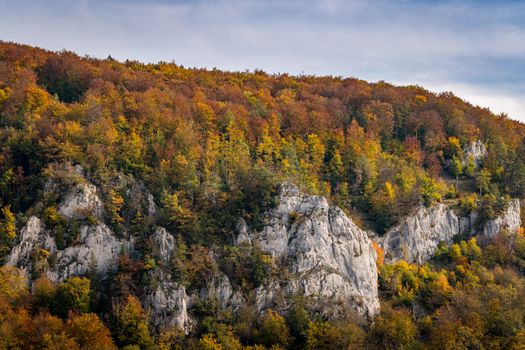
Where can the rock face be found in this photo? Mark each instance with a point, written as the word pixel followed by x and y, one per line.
pixel 510 220
pixel 163 244
pixel 418 236
pixel 476 150
pixel 326 256
pixel 320 252
pixel 81 201
pixel 31 238
pixel 167 302
pixel 95 250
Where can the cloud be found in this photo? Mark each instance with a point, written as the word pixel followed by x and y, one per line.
pixel 475 47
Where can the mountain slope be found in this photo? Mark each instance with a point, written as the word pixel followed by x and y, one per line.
pixel 189 208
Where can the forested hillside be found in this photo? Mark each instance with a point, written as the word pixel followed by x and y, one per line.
pixel 197 152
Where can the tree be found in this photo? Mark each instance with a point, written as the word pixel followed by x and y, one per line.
pixel 177 215
pixel 13 283
pixel 44 294
pixel 209 342
pixel 393 329
pixel 456 168
pixel 428 190
pixel 73 295
pixel 273 330
pixel 297 318
pixel 483 178
pixel 470 166
pixel 47 332
pixel 413 150
pixel 8 226
pixel 89 332
pixel 115 203
pixel 329 336
pixel 382 203
pixel 131 323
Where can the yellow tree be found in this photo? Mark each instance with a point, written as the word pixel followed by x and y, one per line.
pixel 8 223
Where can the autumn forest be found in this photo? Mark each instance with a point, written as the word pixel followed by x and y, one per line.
pixel 212 147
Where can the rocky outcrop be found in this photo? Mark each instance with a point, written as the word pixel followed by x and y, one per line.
pixel 475 150
pixel 96 250
pixel 221 290
pixel 325 255
pixel 163 244
pixel 81 201
pixel 31 238
pixel 167 302
pixel 315 249
pixel 418 236
pixel 509 220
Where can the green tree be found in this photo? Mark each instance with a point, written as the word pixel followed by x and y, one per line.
pixel 483 178
pixel 131 323
pixel 73 295
pixel 393 329
pixel 8 224
pixel 428 190
pixel 273 330
pixel 456 168
pixel 470 166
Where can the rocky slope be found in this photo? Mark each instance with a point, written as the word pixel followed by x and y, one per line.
pixel 169 302
pixel 325 255
pixel 418 236
pixel 476 150
pixel 96 248
pixel 318 251
pixel 326 258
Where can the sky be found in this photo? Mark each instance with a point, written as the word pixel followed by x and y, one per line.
pixel 476 49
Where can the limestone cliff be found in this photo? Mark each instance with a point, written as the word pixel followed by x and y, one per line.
pixel 325 255
pixel 96 249
pixel 418 236
pixel 475 150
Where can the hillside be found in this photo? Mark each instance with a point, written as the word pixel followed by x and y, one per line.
pixel 157 206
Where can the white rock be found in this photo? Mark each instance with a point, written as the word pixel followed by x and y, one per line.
pixel 243 236
pixel 152 207
pixel 509 220
pixel 220 289
pixel 81 201
pixel 163 244
pixel 418 236
pixel 325 254
pixel 167 302
pixel 97 249
pixel 32 236
pixel 476 150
